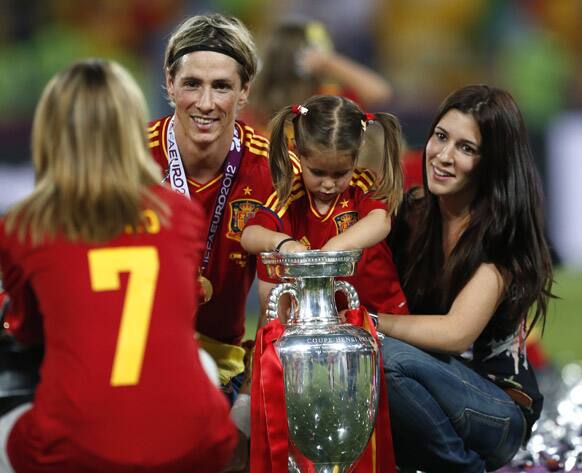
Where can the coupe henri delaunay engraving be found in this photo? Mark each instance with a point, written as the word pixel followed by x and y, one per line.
pixel 331 369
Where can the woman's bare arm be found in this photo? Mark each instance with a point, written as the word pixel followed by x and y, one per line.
pixel 456 331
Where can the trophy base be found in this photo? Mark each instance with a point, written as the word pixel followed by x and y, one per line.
pixel 293 467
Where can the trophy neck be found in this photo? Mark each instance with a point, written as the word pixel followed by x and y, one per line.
pixel 317 305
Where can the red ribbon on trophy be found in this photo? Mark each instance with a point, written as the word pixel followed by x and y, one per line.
pixel 378 456
pixel 269 437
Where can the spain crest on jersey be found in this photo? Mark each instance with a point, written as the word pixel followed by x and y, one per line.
pixel 241 210
pixel 305 242
pixel 345 220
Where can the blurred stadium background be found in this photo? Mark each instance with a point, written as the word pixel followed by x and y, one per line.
pixel 425 48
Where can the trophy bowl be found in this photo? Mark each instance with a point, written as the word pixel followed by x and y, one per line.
pixel 311 264
pixel 330 392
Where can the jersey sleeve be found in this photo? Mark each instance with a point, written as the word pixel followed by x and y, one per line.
pixel 156 142
pixel 363 184
pixel 368 203
pixel 268 219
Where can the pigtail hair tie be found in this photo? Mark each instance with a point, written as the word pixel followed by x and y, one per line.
pixel 367 118
pixel 299 110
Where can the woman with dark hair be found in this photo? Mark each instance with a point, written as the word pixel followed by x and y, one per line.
pixel 470 251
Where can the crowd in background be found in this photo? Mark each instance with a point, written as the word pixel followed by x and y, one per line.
pixel 424 48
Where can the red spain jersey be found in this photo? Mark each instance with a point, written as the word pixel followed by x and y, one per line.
pixel 231 270
pixel 376 280
pixel 122 387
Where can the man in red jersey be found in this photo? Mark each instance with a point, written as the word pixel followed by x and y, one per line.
pixel 206 154
pixel 104 277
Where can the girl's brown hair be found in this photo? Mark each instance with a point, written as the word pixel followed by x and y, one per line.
pixel 336 124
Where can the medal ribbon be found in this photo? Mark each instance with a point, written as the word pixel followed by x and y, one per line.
pixel 178 181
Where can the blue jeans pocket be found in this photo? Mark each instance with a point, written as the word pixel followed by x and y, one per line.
pixel 494 438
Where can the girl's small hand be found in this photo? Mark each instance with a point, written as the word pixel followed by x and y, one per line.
pixel 291 246
pixel 294 247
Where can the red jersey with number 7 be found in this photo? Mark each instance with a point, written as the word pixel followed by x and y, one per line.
pixel 122 387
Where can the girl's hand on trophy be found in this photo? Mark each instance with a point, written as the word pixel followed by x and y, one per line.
pixel 342 316
pixel 294 247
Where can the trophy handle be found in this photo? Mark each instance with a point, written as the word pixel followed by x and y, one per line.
pixel 349 291
pixel 274 296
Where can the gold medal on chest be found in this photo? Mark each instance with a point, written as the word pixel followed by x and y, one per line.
pixel 205 288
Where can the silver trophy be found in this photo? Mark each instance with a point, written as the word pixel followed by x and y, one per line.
pixel 331 369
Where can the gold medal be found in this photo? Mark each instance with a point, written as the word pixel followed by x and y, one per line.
pixel 205 289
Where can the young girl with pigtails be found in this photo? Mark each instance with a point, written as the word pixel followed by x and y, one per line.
pixel 324 201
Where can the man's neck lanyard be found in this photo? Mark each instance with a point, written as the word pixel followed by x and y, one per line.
pixel 178 181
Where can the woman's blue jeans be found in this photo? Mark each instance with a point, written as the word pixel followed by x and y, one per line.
pixel 446 417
